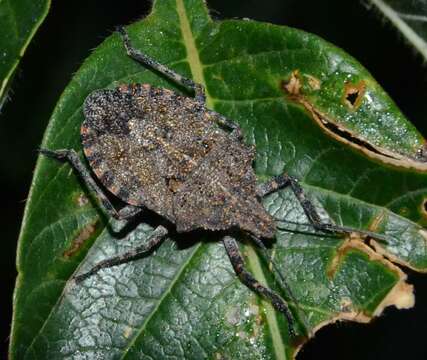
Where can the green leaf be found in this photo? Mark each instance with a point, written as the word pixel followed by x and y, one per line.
pixel 409 18
pixel 184 301
pixel 19 20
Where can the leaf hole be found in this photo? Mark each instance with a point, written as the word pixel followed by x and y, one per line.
pixel 353 94
pixel 352 97
pixel 424 207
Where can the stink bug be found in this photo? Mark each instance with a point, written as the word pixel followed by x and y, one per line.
pixel 156 149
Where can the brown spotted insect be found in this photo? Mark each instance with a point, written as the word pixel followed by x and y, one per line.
pixel 153 148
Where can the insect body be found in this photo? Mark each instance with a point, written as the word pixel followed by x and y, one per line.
pixel 156 149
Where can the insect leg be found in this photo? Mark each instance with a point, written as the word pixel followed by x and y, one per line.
pixel 246 278
pixel 281 280
pixel 281 181
pixel 227 123
pixel 157 236
pixel 71 156
pixel 137 55
pixel 274 184
pixel 284 180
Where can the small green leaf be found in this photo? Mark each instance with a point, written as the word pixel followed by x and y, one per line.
pixel 184 301
pixel 19 20
pixel 409 17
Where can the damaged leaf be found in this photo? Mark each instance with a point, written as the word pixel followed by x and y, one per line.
pixel 184 300
pixel 360 116
pixel 80 240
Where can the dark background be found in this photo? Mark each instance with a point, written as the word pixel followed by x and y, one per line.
pixel 73 28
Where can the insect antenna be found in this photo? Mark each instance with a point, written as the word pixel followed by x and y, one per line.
pixel 331 228
pixel 282 282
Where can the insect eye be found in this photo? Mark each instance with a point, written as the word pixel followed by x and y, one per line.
pixel 205 144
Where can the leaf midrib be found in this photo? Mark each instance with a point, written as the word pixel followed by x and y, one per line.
pixel 270 313
pixel 197 72
pixel 196 67
pixel 189 41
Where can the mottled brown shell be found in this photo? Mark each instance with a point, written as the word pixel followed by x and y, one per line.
pixel 152 147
